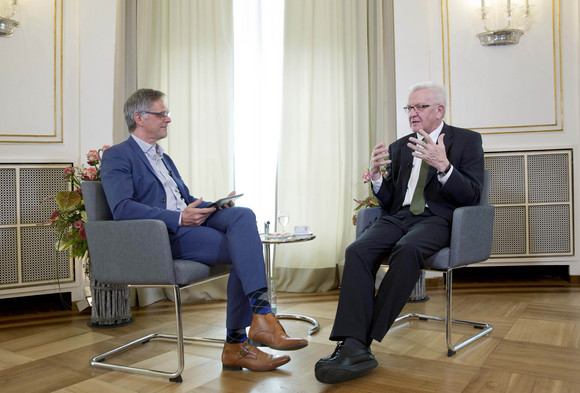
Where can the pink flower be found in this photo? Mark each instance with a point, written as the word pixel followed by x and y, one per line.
pixel 55 215
pixel 105 147
pixel 69 170
pixel 93 157
pixel 366 175
pixel 78 224
pixel 89 173
pixel 82 233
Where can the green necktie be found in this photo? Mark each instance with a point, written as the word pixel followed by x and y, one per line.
pixel 418 201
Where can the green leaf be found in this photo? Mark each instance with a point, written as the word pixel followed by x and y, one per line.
pixel 67 199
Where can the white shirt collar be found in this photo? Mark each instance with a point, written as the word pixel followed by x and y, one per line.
pixel 435 134
pixel 147 148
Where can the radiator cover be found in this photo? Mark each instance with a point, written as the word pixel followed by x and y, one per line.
pixel 27 254
pixel 532 195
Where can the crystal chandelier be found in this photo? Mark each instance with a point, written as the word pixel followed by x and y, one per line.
pixel 7 24
pixel 504 21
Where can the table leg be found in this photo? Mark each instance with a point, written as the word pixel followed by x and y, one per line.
pixel 272 292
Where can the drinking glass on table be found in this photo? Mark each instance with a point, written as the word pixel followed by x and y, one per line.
pixel 283 219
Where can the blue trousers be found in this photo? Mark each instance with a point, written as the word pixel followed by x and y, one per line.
pixel 229 236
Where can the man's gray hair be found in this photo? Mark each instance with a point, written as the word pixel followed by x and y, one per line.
pixel 438 92
pixel 139 102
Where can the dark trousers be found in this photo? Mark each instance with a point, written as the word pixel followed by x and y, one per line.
pixel 407 240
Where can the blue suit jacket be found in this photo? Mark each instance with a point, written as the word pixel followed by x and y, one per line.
pixel 132 188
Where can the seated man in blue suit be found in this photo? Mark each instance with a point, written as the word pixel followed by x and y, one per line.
pixel 429 173
pixel 141 182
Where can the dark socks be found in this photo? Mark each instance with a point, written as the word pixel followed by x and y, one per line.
pixel 259 302
pixel 236 336
pixel 354 342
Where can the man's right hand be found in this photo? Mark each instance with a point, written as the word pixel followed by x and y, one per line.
pixel 192 216
pixel 379 158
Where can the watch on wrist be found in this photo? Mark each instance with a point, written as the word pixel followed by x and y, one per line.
pixel 444 172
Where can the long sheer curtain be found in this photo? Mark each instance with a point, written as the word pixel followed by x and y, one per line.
pixel 329 114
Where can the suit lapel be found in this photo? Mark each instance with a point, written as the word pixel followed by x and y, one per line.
pixel 137 149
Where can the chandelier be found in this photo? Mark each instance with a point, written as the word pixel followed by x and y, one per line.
pixel 504 21
pixel 7 24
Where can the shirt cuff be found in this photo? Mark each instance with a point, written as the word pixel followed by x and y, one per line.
pixel 443 179
pixel 377 184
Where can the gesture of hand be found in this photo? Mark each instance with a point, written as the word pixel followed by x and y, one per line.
pixel 432 153
pixel 379 158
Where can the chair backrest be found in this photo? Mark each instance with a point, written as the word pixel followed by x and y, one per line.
pixel 484 200
pixel 96 204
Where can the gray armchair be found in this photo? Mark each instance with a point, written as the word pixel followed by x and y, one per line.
pixel 471 238
pixel 137 253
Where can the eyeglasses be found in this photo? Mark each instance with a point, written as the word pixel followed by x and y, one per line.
pixel 418 108
pixel 161 115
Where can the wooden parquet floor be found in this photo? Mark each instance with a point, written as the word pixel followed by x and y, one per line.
pixel 534 348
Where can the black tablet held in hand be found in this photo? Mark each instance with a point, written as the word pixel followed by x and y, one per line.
pixel 225 200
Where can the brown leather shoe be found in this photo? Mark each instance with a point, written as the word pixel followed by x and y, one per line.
pixel 236 356
pixel 266 330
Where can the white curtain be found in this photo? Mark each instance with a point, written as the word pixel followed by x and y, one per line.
pixel 328 116
pixel 185 49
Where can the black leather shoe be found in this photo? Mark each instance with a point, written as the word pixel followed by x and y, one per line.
pixel 345 363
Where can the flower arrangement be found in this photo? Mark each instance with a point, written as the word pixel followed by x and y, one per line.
pixel 70 217
pixel 369 201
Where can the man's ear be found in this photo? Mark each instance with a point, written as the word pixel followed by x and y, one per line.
pixel 138 119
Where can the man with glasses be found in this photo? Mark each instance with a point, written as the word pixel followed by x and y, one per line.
pixel 429 173
pixel 142 182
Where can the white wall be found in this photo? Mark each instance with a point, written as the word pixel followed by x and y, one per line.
pixel 32 129
pixel 522 97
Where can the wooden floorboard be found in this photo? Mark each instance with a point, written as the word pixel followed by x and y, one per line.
pixel 534 348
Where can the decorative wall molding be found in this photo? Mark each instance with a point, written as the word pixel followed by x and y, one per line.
pixel 503 89
pixel 32 69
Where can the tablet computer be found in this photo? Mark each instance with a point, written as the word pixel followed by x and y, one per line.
pixel 227 199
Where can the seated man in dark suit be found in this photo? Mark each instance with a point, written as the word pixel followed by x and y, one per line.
pixel 141 182
pixel 425 180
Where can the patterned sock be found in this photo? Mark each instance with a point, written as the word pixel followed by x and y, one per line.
pixel 259 302
pixel 236 336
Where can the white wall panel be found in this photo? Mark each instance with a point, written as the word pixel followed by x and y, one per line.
pixel 33 63
pixel 515 88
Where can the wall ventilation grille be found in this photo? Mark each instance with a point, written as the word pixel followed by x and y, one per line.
pixel 532 194
pixel 27 254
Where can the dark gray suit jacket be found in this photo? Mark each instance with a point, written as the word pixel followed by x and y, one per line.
pixel 464 186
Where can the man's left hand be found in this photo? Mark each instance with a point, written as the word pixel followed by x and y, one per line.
pixel 229 204
pixel 432 153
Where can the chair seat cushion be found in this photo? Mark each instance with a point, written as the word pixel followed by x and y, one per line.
pixel 439 261
pixel 188 272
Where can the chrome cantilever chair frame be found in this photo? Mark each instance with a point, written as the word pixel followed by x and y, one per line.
pixel 128 260
pixel 471 241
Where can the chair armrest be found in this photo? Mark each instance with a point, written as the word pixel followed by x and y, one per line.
pixel 131 251
pixel 471 235
pixel 365 218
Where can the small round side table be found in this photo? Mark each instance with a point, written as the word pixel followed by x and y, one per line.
pixel 269 244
